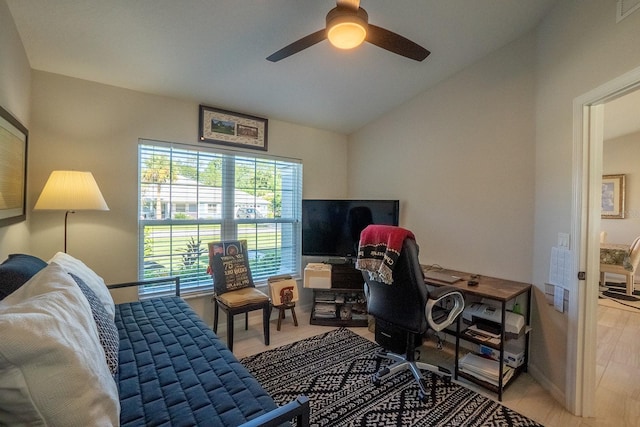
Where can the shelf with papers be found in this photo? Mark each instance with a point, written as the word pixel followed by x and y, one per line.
pixel 484 369
pixel 339 307
pixel 494 330
pixel 343 304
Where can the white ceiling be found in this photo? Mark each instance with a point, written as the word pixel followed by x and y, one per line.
pixel 213 51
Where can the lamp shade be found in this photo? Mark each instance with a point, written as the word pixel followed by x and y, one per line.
pixel 71 191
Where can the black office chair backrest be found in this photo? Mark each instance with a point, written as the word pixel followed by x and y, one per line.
pixel 403 302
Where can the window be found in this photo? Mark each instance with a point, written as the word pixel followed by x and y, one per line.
pixel 189 197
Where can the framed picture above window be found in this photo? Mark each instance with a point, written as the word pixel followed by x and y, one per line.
pixel 234 129
pixel 13 169
pixel 613 189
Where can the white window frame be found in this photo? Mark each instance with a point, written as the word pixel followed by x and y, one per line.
pixel 283 257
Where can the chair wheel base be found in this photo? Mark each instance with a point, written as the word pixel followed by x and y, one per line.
pixel 375 380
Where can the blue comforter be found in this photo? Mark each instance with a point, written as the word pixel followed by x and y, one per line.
pixel 173 370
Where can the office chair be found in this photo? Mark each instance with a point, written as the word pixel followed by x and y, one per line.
pixel 628 271
pixel 234 291
pixel 405 309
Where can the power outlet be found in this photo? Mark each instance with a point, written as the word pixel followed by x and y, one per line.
pixel 563 240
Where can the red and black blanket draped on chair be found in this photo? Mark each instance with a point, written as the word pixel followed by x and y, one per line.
pixel 380 247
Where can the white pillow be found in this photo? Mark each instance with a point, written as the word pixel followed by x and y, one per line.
pixel 88 276
pixel 52 366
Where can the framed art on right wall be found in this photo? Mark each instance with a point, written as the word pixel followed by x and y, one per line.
pixel 613 188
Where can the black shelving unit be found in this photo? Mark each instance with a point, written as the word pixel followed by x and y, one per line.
pixel 344 303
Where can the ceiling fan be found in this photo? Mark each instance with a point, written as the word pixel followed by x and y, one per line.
pixel 348 27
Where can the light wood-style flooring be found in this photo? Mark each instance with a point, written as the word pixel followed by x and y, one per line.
pixel 618 367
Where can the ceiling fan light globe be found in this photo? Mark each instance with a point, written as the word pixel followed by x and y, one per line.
pixel 347 28
pixel 346 35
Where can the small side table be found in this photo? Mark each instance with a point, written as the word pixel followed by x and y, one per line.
pixel 282 310
pixel 284 294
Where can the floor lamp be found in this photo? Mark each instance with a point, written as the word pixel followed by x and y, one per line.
pixel 71 191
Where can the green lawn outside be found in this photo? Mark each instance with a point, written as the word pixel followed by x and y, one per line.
pixel 173 252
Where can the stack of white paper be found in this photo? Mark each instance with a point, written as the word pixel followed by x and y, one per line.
pixel 487 370
pixel 324 310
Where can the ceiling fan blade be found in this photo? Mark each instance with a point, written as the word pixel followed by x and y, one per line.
pixel 395 43
pixel 298 45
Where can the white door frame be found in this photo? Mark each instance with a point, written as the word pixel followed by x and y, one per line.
pixel 588 121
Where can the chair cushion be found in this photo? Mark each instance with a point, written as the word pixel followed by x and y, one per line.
pixel 242 297
pixel 230 266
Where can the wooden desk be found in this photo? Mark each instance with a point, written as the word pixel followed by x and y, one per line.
pixel 490 287
pixel 502 291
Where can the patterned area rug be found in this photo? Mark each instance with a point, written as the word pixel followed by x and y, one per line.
pixel 617 293
pixel 334 370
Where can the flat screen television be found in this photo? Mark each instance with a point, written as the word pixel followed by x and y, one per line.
pixel 332 227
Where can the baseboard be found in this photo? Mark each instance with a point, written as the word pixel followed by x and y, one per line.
pixel 554 391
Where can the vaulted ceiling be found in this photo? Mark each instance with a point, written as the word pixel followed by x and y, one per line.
pixel 213 51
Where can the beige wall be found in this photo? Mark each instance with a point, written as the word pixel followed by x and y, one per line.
pixel 82 125
pixel 463 174
pixel 15 88
pixel 485 170
pixel 580 47
pixel 622 156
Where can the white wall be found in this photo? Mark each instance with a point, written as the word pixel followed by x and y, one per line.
pixel 459 157
pixel 580 47
pixel 82 125
pixel 622 156
pixel 15 88
pixel 483 162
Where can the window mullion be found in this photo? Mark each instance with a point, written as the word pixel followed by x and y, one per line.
pixel 229 231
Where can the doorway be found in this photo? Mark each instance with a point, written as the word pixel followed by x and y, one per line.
pixel 587 170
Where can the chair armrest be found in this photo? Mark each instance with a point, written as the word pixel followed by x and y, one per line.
pixel 169 279
pixel 437 295
pixel 440 291
pixel 298 409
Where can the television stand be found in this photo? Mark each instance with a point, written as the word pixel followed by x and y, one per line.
pixel 343 304
pixel 338 261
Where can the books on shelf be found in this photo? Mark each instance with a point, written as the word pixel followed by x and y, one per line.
pixel 485 369
pixel 324 310
pixel 325 297
pixel 481 335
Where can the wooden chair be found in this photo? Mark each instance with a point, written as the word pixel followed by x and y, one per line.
pixel 627 271
pixel 235 292
pixel 238 302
